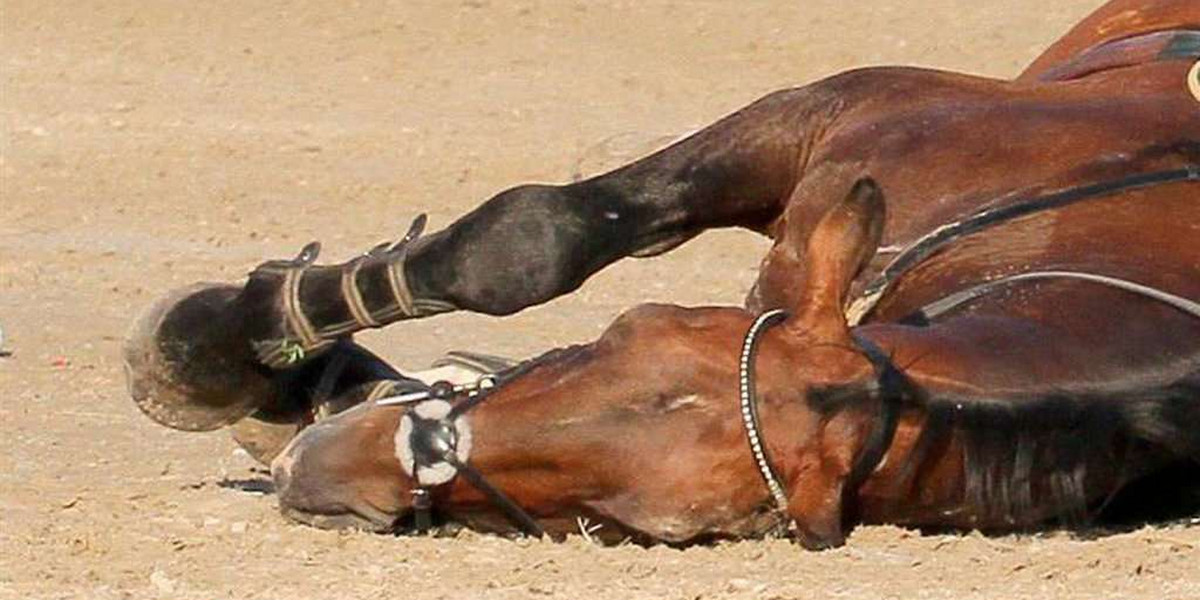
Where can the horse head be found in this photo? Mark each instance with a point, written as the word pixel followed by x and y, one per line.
pixel 639 432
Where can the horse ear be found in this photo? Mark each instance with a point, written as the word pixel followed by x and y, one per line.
pixel 843 242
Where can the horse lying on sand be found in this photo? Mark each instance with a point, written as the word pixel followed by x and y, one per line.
pixel 980 311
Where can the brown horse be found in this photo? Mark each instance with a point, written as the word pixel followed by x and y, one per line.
pixel 1022 343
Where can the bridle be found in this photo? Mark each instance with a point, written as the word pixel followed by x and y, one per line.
pixel 892 383
pixel 433 443
pixel 891 391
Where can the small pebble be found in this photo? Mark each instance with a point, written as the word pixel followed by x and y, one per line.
pixel 160 581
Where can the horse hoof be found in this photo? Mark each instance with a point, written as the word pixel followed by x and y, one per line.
pixel 187 362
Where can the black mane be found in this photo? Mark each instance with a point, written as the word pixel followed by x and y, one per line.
pixel 1034 458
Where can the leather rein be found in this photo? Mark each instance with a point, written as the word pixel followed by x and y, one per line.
pixel 892 384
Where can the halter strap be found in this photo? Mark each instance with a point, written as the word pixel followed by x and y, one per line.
pixel 893 387
pixel 439 440
pixel 928 244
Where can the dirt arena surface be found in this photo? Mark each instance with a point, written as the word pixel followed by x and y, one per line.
pixel 149 145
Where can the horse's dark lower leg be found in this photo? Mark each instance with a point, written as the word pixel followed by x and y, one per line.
pixel 189 367
pixel 533 243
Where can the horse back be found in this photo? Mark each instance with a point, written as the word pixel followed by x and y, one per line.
pixel 1115 21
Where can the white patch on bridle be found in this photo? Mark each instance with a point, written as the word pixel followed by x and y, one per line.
pixel 440 472
pixel 1193 81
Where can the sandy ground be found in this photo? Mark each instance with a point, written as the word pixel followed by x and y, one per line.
pixel 146 145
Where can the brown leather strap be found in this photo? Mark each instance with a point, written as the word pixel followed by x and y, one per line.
pixel 399 284
pixel 297 321
pixel 353 297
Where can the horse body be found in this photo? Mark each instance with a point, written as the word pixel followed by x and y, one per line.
pixel 1116 21
pixel 1038 401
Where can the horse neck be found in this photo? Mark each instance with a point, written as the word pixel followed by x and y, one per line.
pixel 998 443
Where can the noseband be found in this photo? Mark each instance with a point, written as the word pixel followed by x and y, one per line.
pixel 433 442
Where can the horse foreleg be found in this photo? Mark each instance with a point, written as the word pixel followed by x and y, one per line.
pixel 533 243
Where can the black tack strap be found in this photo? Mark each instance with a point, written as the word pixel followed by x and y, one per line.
pixel 496 497
pixel 422 502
